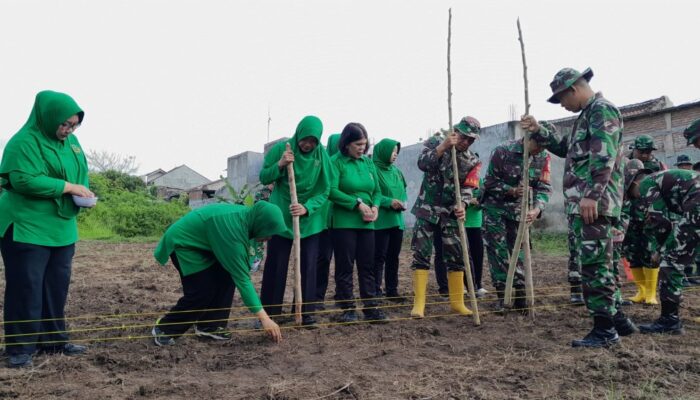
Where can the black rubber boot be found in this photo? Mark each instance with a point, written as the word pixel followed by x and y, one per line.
pixel 603 334
pixel 623 325
pixel 669 321
pixel 576 295
pixel 520 302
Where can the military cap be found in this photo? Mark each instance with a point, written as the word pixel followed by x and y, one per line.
pixel 564 79
pixel 644 142
pixel 633 169
pixel 683 159
pixel 692 132
pixel 468 126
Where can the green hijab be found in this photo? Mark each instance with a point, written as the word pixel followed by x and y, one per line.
pixel 389 175
pixel 332 145
pixel 307 166
pixel 264 220
pixel 36 143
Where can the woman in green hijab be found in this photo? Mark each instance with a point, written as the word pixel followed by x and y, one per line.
pixel 209 248
pixel 312 175
pixel 389 226
pixel 325 240
pixel 42 166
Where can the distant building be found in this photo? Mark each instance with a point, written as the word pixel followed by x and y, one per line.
pixel 207 193
pixel 172 183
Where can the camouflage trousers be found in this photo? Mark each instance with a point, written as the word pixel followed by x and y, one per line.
pixel 574 263
pixel 500 230
pixel 616 270
pixel 635 247
pixel 677 253
pixel 594 242
pixel 422 244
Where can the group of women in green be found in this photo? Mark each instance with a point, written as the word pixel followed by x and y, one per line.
pixel 349 206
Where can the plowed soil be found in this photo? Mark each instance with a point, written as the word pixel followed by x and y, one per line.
pixel 440 357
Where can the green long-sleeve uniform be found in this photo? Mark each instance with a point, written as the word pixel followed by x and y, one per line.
pixel 391 183
pixel 353 178
pixel 35 168
pixel 221 232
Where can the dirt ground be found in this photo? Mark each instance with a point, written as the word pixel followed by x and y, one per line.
pixel 440 357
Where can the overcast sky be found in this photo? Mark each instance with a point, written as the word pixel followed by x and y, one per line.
pixel 189 82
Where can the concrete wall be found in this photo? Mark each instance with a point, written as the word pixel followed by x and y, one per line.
pixel 244 168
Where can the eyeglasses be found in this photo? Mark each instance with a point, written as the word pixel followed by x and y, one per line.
pixel 67 126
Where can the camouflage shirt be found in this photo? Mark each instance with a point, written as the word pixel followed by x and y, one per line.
pixel 436 199
pixel 593 167
pixel 673 191
pixel 655 165
pixel 505 172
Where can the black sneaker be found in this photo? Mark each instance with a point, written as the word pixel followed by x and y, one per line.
pixel 374 315
pixel 218 333
pixel 19 361
pixel 68 349
pixel 160 338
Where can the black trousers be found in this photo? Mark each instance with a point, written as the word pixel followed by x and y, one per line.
pixel 323 266
pixel 211 290
pixel 274 280
pixel 36 287
pixel 353 246
pixel 476 258
pixel 387 247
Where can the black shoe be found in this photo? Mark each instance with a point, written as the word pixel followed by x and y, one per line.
pixel 603 334
pixel 320 307
pixel 374 315
pixel 669 322
pixel 520 302
pixel 500 307
pixel 348 316
pixel 308 321
pixel 626 303
pixel 576 296
pixel 694 281
pixel 395 297
pixel 160 338
pixel 623 325
pixel 19 361
pixel 68 349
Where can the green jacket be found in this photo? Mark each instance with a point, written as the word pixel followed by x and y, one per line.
pixel 221 232
pixel 312 178
pixel 331 149
pixel 391 183
pixel 34 170
pixel 474 217
pixel 353 179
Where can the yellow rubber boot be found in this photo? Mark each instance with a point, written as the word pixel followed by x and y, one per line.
pixel 652 281
pixel 455 284
pixel 420 284
pixel 638 275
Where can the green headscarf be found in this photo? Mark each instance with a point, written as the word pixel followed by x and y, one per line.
pixel 332 145
pixel 307 166
pixel 36 151
pixel 264 220
pixel 389 175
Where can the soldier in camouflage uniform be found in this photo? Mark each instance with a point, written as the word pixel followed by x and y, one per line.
pixel 675 191
pixel 435 210
pixel 643 150
pixel 692 134
pixel 592 189
pixel 501 203
pixel 683 162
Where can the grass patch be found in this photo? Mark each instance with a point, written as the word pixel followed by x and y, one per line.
pixel 550 243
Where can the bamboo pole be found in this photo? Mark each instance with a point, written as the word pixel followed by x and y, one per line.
pixel 458 195
pixel 297 244
pixel 523 236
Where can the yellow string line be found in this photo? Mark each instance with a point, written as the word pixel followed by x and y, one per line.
pixel 284 327
pixel 151 313
pixel 317 312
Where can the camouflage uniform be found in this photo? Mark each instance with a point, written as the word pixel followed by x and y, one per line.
pixel 592 170
pixel 646 142
pixel 502 211
pixel 674 191
pixel 435 203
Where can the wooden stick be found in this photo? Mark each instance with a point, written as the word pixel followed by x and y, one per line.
pixel 523 236
pixel 297 244
pixel 458 195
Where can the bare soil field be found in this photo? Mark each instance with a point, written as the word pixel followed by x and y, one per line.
pixel 118 291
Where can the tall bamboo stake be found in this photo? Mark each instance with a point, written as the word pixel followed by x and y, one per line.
pixel 458 195
pixel 523 236
pixel 297 244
